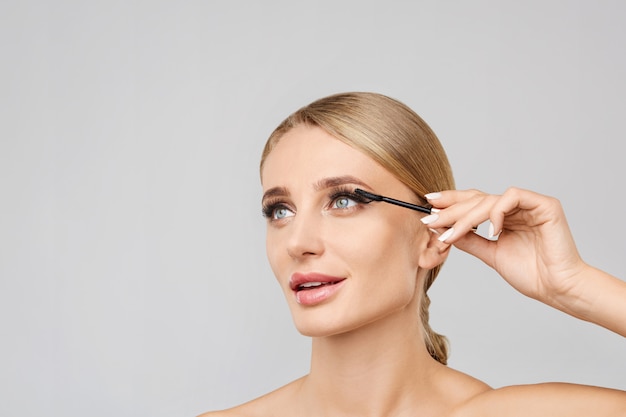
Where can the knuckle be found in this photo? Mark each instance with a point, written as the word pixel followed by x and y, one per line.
pixel 474 192
pixel 512 191
pixel 554 202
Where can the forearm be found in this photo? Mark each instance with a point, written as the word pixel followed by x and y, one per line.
pixel 600 299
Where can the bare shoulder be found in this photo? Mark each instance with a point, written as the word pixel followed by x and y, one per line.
pixel 263 406
pixel 458 387
pixel 549 399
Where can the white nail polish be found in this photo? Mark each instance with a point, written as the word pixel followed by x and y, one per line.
pixel 446 235
pixel 430 218
pixel 433 196
pixel 434 231
pixel 434 210
pixel 492 233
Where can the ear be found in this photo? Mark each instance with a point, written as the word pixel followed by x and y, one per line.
pixel 435 252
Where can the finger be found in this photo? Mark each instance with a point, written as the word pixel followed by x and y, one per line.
pixel 463 217
pixel 446 217
pixel 515 199
pixel 447 198
pixel 478 246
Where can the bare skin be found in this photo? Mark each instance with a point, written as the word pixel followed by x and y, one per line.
pixel 534 234
pixel 368 353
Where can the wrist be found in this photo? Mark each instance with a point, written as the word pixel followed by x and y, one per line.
pixel 580 296
pixel 596 297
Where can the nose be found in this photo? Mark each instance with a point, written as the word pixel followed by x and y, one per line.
pixel 305 238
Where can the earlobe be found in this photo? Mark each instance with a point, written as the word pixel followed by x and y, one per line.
pixel 435 252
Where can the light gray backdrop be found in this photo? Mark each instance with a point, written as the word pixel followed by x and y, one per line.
pixel 133 279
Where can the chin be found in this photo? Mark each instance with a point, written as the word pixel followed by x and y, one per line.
pixel 317 331
pixel 343 316
pixel 317 324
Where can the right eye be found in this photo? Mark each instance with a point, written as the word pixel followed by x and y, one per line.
pixel 281 212
pixel 277 211
pixel 343 202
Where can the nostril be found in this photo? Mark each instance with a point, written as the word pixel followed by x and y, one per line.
pixel 298 252
pixel 305 247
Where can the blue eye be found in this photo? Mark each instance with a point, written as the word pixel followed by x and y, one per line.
pixel 281 213
pixel 277 211
pixel 343 202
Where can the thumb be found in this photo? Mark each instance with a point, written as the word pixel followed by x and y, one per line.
pixel 477 246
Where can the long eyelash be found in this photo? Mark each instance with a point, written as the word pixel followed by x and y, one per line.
pixel 270 207
pixel 348 192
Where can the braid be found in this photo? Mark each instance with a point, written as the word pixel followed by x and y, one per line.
pixel 436 344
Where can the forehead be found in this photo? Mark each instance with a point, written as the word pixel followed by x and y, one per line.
pixel 304 150
pixel 306 154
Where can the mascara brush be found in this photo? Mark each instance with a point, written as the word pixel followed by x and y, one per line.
pixel 377 197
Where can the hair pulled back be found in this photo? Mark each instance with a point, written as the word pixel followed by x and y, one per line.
pixel 398 139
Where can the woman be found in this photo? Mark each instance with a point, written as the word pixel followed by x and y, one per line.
pixel 356 271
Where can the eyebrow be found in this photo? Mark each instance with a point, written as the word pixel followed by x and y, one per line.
pixel 322 184
pixel 337 181
pixel 275 192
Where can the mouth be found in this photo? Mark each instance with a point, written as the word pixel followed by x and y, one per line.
pixel 314 288
pixel 304 282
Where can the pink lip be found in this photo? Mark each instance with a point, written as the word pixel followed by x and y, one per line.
pixel 307 291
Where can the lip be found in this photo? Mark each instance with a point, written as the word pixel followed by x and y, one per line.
pixel 313 288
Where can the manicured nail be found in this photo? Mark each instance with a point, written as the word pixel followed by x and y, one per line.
pixel 434 231
pixel 434 210
pixel 433 196
pixel 446 235
pixel 430 218
pixel 492 232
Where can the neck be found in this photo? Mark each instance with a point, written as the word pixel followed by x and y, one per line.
pixel 378 369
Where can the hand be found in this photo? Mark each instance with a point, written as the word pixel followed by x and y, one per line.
pixel 534 250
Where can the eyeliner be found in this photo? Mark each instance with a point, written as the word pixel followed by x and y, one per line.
pixel 377 197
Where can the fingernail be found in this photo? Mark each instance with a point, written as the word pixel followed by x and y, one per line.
pixel 446 235
pixel 492 232
pixel 434 231
pixel 434 210
pixel 433 196
pixel 430 218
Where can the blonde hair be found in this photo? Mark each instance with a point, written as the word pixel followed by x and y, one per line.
pixel 398 139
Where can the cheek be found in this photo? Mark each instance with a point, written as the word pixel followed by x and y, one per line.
pixel 387 253
pixel 272 252
pixel 384 251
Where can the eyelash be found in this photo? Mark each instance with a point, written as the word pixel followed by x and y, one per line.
pixel 270 207
pixel 348 193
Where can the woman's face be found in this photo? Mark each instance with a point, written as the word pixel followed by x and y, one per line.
pixel 341 263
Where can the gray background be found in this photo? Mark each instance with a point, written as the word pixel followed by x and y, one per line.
pixel 133 279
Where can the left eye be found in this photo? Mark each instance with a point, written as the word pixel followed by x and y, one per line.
pixel 343 202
